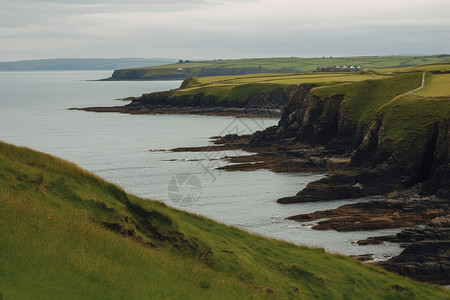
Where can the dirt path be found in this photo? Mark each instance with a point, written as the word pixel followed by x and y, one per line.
pixel 404 94
pixel 420 87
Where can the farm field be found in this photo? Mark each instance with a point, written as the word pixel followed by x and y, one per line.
pixel 240 87
pixel 269 65
pixel 436 85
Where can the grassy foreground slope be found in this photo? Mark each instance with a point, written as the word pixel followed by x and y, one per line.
pixel 268 65
pixel 66 233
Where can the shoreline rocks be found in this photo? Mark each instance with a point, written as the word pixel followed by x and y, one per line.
pixel 314 135
pixel 266 104
pixel 209 111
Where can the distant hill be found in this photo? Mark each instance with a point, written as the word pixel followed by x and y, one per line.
pixel 67 64
pixel 185 69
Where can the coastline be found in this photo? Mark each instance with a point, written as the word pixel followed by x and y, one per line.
pixel 316 134
pixel 425 217
pixel 207 111
pixel 409 197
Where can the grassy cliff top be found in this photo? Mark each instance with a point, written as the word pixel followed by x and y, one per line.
pixel 395 95
pixel 240 87
pixel 408 102
pixel 269 65
pixel 67 234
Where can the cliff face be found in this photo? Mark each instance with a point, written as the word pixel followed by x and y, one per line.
pixel 439 172
pixel 379 164
pixel 309 118
pixel 426 162
pixel 413 170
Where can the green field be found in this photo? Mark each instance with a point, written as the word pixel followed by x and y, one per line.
pixel 281 79
pixel 407 120
pixel 367 95
pixel 436 85
pixel 67 234
pixel 269 65
pixel 406 116
pixel 364 99
pixel 240 87
pixel 437 68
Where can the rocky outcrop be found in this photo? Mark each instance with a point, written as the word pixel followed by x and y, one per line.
pixel 426 256
pixel 274 99
pixel 313 131
pixel 425 261
pixel 426 240
pixel 347 185
pixel 311 119
pixel 260 104
pixel 316 134
pixel 439 166
pixel 405 211
pixel 377 164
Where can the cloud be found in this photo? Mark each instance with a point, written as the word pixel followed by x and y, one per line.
pixel 220 28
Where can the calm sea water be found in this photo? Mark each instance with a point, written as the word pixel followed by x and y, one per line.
pixel 33 113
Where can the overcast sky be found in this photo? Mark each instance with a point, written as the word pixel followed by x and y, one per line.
pixel 209 29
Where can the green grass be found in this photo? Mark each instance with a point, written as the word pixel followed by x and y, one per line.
pixel 226 92
pixel 367 95
pixel 55 244
pixel 363 100
pixel 436 85
pixel 271 65
pixel 240 87
pixel 407 120
pixel 438 68
pixel 282 79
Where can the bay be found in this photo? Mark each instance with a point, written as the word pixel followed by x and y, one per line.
pixel 33 113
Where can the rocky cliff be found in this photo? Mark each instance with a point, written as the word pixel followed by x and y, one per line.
pixel 273 99
pixel 411 168
pixel 378 164
pixel 258 104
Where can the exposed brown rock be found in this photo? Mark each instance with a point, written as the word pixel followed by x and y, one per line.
pixel 427 260
pixel 404 212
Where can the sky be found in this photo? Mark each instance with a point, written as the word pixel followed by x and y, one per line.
pixel 220 29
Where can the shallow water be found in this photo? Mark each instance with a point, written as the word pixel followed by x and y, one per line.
pixel 33 113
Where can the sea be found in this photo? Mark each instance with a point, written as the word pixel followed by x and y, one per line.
pixel 131 151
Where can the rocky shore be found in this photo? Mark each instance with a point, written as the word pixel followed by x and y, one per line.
pixel 426 217
pixel 426 256
pixel 314 135
pixel 188 110
pixel 325 134
pixel 266 104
